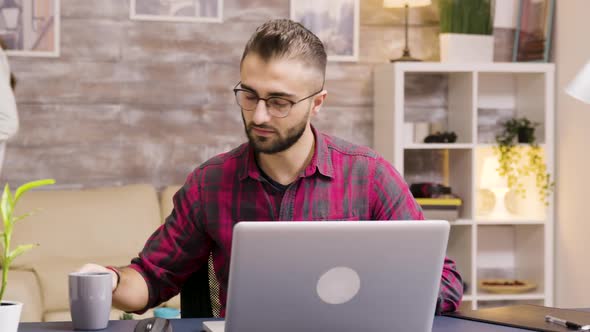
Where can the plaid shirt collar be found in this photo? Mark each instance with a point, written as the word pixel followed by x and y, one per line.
pixel 320 162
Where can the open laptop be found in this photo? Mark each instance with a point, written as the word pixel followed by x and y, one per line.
pixel 334 276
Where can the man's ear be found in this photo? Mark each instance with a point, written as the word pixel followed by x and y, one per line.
pixel 318 101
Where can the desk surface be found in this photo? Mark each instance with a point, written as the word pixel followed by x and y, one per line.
pixel 441 324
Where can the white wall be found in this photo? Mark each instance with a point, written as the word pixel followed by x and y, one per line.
pixel 572 266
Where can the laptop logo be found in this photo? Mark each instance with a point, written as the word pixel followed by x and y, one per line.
pixel 338 285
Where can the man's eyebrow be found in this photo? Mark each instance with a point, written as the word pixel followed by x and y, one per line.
pixel 271 94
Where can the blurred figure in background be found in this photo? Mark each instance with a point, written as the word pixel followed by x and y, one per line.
pixel 8 112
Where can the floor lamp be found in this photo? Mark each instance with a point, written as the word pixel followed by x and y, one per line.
pixel 579 88
pixel 406 4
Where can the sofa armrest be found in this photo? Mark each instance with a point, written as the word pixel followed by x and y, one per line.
pixel 23 286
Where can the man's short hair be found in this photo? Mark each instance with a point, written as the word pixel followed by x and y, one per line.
pixel 283 38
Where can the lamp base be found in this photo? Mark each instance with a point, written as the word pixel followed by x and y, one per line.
pixel 500 211
pixel 405 58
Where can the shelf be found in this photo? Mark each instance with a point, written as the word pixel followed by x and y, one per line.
pixel 510 297
pixel 514 240
pixel 515 221
pixel 439 146
pixel 493 222
pixel 495 67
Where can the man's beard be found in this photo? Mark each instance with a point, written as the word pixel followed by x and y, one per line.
pixel 276 143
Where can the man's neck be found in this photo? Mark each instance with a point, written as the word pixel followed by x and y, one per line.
pixel 284 167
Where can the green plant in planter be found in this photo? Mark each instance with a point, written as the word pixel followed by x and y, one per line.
pixel 522 130
pixel 7 206
pixel 466 16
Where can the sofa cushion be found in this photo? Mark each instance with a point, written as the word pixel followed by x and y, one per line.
pixel 53 278
pixel 166 204
pixel 23 287
pixel 104 222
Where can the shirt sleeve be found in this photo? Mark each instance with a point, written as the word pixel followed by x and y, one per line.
pixel 176 249
pixel 392 200
pixel 8 111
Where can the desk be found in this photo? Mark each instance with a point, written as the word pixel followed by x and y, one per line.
pixel 441 324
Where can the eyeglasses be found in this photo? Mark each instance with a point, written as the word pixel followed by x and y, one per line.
pixel 278 107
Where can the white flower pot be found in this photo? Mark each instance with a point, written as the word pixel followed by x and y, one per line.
pixel 461 48
pixel 10 315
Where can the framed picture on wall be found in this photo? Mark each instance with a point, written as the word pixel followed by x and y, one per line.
pixel 177 10
pixel 532 39
pixel 30 27
pixel 335 22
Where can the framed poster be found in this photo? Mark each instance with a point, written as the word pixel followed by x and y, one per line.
pixel 532 39
pixel 335 22
pixel 30 27
pixel 177 10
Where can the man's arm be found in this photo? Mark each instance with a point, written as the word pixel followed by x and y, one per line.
pixel 392 200
pixel 172 253
pixel 130 291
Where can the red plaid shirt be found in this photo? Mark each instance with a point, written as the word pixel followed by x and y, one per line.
pixel 342 182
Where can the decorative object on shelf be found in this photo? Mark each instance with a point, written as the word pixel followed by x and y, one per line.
pixel 522 130
pixel 532 39
pixel 507 286
pixel 492 180
pixel 579 88
pixel 177 10
pixel 9 310
pixel 466 31
pixel 444 137
pixel 335 22
pixel 30 27
pixel 437 201
pixel 406 4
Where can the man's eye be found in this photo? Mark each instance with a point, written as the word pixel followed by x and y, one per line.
pixel 277 102
pixel 250 96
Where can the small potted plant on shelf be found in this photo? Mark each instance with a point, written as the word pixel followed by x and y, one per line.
pixel 466 31
pixel 513 166
pixel 10 310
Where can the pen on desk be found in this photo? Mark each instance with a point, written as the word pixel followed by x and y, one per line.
pixel 568 324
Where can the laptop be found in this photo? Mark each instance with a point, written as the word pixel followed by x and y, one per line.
pixel 334 276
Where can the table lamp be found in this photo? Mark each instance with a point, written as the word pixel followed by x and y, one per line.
pixel 406 4
pixel 492 180
pixel 579 88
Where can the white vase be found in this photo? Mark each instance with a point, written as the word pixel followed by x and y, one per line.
pixel 461 48
pixel 10 315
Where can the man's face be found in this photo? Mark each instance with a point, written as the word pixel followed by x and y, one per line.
pixel 289 79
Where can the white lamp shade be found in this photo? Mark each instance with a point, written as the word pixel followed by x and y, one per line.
pixel 580 87
pixel 490 177
pixel 403 3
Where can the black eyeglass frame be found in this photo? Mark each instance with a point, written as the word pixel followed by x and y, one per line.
pixel 293 103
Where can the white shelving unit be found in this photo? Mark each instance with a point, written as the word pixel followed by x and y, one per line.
pixel 483 246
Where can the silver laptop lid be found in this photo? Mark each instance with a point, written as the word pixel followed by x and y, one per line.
pixel 335 276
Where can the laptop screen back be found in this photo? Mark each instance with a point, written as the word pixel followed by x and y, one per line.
pixel 335 276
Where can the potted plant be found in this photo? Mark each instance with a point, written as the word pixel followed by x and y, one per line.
pixel 9 310
pixel 466 31
pixel 513 166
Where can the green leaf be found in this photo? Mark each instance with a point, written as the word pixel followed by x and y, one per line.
pixel 6 206
pixel 31 185
pixel 19 218
pixel 20 250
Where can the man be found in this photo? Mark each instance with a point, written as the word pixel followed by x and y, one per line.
pixel 287 171
pixel 8 112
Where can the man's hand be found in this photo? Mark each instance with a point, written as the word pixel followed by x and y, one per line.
pixel 95 268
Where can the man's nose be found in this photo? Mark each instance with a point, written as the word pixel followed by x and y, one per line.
pixel 261 114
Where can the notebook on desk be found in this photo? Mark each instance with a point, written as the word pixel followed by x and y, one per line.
pixel 531 317
pixel 334 276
